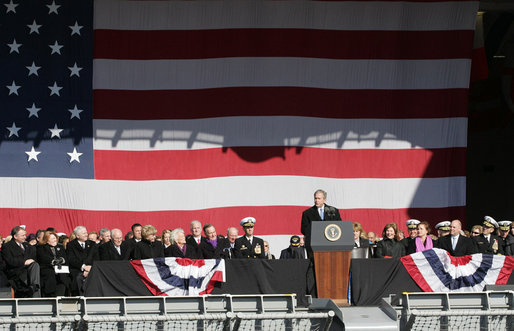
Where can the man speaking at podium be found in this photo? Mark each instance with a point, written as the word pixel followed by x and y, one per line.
pixel 319 212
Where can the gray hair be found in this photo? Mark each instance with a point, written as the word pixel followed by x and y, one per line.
pixel 102 231
pixel 113 231
pixel 173 235
pixel 195 222
pixel 232 228
pixel 78 229
pixel 322 192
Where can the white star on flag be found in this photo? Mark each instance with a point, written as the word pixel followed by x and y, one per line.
pixel 74 156
pixel 75 112
pixel 56 132
pixel 13 88
pixel 13 130
pixel 53 8
pixel 11 7
pixel 32 154
pixel 75 28
pixel 56 48
pixel 75 70
pixel 14 46
pixel 33 111
pixel 34 27
pixel 33 69
pixel 55 89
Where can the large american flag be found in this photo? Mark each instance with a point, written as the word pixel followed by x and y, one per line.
pixel 216 110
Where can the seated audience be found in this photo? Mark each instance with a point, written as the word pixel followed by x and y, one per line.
pixel 295 250
pixel 390 246
pixel 423 241
pixel 212 246
pixel 51 257
pixel 81 253
pixel 148 247
pixel 372 238
pixel 267 253
pixel 180 248
pixel 249 246
pixel 21 266
pixel 456 244
pixel 115 249
pixel 488 242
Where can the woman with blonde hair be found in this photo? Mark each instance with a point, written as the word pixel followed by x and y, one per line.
pixel 390 246
pixel 360 238
pixel 148 247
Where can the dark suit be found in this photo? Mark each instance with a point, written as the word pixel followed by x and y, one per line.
pixel 130 244
pixel 508 245
pixel 244 250
pixel 53 284
pixel 209 252
pixel 78 256
pixel 484 246
pixel 192 242
pixel 465 245
pixel 108 252
pixel 175 251
pixel 4 282
pixel 312 215
pixel 293 253
pixel 148 250
pixel 227 252
pixel 389 248
pixel 26 279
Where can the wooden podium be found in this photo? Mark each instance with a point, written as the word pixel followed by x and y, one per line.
pixel 331 243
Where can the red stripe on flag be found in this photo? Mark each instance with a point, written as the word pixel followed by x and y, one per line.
pixel 331 44
pixel 460 260
pixel 140 270
pixel 272 220
pixel 279 101
pixel 187 262
pixel 506 271
pixel 414 272
pixel 293 161
pixel 216 277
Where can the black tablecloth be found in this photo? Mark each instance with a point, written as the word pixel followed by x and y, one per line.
pixel 118 278
pixel 372 279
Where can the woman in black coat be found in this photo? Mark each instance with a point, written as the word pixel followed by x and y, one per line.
pixel 390 246
pixel 148 247
pixel 179 248
pixel 51 255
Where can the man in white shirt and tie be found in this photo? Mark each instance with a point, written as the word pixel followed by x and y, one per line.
pixel 457 244
pixel 195 238
pixel 319 212
pixel 115 249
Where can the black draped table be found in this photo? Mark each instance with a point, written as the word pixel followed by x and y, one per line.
pixel 372 279
pixel 118 278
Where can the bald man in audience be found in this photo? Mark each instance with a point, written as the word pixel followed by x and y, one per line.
pixel 457 244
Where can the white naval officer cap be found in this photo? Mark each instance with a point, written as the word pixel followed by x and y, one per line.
pixel 248 221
